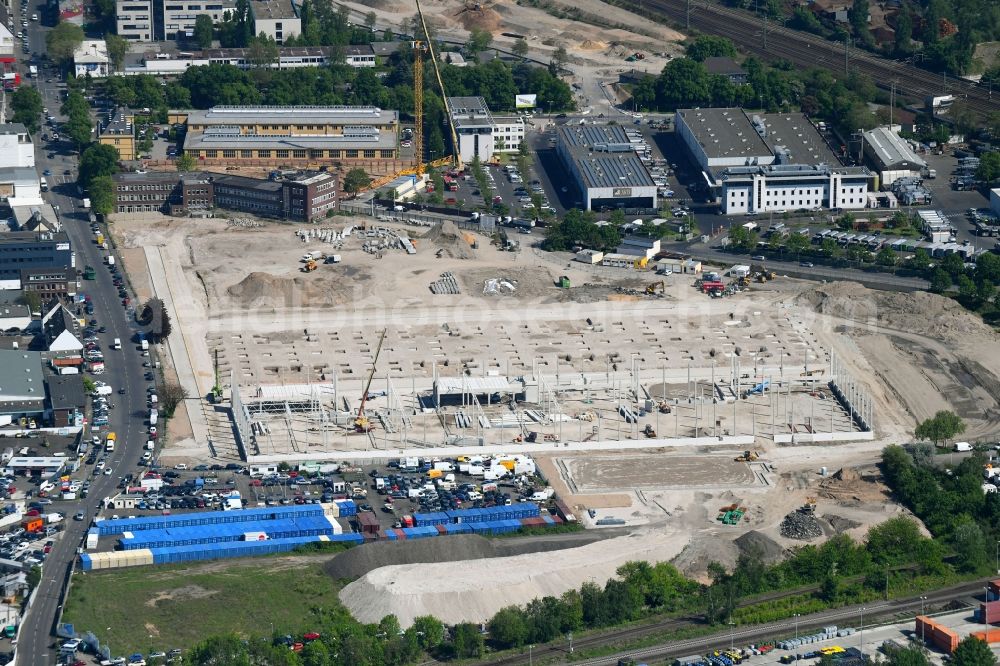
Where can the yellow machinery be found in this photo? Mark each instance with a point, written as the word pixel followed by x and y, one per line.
pixel 309 266
pixel 419 47
pixel 656 288
pixel 746 456
pixel 361 422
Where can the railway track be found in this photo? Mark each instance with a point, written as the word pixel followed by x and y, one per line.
pixel 759 633
pixel 747 31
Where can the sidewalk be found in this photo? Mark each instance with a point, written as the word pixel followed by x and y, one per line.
pixel 179 354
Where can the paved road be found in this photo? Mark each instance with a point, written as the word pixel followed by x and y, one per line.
pixel 872 280
pixel 124 369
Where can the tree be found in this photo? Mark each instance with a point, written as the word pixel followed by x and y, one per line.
pixel 467 641
pixel 558 61
pixel 966 287
pixel 203 30
pixel 908 656
pixel 430 631
pixel 62 40
pixel 27 104
pixel 940 281
pixel 972 651
pixel 356 180
pixel 185 162
pixel 858 17
pixel 79 130
pixel 31 299
pixel 370 20
pixel 520 48
pixel 479 40
pixel 34 577
pixel 97 160
pixel 154 315
pixel 796 242
pixel 989 167
pixel 88 385
pixel 508 627
pixel 886 257
pixel 969 544
pixel 102 195
pixel 943 426
pixel 708 46
pixel 117 48
pixel 262 51
pixel 171 394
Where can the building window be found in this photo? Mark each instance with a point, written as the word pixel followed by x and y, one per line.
pixel 299 154
pixel 246 153
pixel 211 153
pixel 370 154
pixel 264 154
pixel 386 154
pixel 281 153
pixel 229 154
pixel 352 154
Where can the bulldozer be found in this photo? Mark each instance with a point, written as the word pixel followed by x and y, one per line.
pixel 809 507
pixel 649 431
pixel 747 456
pixel 309 266
pixel 664 407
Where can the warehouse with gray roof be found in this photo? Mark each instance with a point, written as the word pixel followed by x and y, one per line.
pixel 605 168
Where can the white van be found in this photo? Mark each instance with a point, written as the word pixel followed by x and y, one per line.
pixel 117 344
pixel 963 446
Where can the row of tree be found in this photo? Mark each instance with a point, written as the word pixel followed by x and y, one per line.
pixel 684 82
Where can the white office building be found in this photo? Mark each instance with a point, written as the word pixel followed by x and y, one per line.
pixel 482 133
pixel 16 148
pixel 179 16
pixel 134 19
pixel 276 19
pixel 789 187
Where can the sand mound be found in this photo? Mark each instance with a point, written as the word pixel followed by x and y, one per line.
pixel 477 589
pixel 446 238
pixel 753 541
pixel 485 19
pixel 846 474
pixel 264 290
pixel 357 562
pixel 841 524
pixel 591 45
pixel 917 312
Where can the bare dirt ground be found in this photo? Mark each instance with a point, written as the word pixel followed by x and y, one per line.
pixel 915 353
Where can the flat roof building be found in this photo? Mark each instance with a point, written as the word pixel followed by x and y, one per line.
pixel 179 16
pixel 719 138
pixel 298 137
pixel 134 20
pixel 67 400
pixel 480 132
pixel 793 139
pixel 22 386
pixel 20 250
pixel 789 187
pixel 16 148
pixel 275 18
pixel 302 197
pixel 605 168
pixel 727 67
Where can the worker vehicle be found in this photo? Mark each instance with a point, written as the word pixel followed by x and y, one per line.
pixel 361 422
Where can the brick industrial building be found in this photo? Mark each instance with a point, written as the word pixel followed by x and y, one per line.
pixel 301 137
pixel 302 197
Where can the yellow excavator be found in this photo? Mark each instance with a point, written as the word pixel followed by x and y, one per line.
pixel 309 266
pixel 361 422
pixel 746 456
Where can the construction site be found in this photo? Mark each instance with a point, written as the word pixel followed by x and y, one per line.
pixel 701 426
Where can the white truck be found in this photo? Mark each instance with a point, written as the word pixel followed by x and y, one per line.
pixel 103 390
pixel 144 345
pixel 117 344
pixel 152 417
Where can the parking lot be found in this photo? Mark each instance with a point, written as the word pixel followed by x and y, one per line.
pixel 391 491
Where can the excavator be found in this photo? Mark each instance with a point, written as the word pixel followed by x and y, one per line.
pixel 309 266
pixel 361 422
pixel 656 288
pixel 746 456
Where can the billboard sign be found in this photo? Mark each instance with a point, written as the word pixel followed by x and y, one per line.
pixel 525 101
pixel 622 192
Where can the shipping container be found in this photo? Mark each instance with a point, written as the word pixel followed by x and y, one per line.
pixel 989 611
pixel 991 636
pixel 368 523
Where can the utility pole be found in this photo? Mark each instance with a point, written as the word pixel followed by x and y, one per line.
pixel 892 100
pixel 765 30
pixel 688 14
pixel 847 52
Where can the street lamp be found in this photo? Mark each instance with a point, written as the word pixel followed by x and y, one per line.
pixel 530 660
pixel 862 634
pixel 569 637
pixel 797 616
pixel 923 625
pixel 998 557
pixel 732 628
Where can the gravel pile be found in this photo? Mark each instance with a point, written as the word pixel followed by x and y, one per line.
pixel 800 526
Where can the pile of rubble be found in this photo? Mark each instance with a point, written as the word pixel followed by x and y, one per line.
pixel 800 526
pixel 446 284
pixel 495 286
